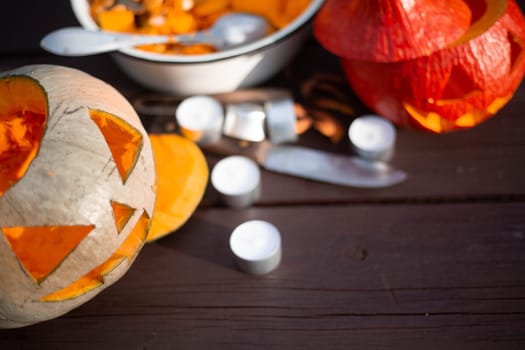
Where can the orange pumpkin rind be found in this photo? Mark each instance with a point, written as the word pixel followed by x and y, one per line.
pixel 392 30
pixel 182 176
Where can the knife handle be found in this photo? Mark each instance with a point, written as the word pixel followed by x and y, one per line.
pixel 227 146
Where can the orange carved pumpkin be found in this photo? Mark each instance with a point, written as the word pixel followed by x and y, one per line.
pixel 77 190
pixel 419 72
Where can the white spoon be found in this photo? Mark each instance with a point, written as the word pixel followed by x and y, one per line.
pixel 230 30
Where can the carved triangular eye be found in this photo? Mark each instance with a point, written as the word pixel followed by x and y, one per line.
pixel 23 115
pixel 124 141
pixel 41 249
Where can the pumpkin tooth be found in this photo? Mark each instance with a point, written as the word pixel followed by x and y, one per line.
pixel 121 213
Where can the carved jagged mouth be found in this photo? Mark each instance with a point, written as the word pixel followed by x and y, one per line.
pixel 41 250
pixel 127 251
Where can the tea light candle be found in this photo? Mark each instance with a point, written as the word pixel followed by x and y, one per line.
pixel 245 121
pixel 256 247
pixel 237 180
pixel 200 118
pixel 280 120
pixel 372 137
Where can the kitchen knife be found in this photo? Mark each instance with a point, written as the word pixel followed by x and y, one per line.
pixel 313 164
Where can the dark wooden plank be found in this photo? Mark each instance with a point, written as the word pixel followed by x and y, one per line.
pixel 370 276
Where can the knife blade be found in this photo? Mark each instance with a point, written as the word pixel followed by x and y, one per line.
pixel 331 168
pixel 313 164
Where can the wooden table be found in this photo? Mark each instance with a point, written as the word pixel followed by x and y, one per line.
pixel 436 262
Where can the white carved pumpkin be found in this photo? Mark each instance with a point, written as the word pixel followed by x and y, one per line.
pixel 77 190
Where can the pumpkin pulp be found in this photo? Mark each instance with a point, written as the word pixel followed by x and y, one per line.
pixel 23 115
pixel 183 17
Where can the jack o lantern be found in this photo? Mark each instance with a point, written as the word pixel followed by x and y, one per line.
pixel 414 68
pixel 77 190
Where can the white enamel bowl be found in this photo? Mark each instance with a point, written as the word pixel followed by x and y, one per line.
pixel 244 66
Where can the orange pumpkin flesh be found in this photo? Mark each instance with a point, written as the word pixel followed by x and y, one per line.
pixel 118 19
pixel 23 113
pixel 184 17
pixel 182 176
pixel 278 12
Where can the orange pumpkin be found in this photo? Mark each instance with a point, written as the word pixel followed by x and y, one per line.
pixel 454 82
pixel 77 190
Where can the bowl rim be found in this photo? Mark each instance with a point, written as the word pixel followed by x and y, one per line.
pixel 81 12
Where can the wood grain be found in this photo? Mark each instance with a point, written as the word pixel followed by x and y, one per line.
pixel 352 275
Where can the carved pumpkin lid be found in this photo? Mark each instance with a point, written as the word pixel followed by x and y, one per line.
pixel 395 30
